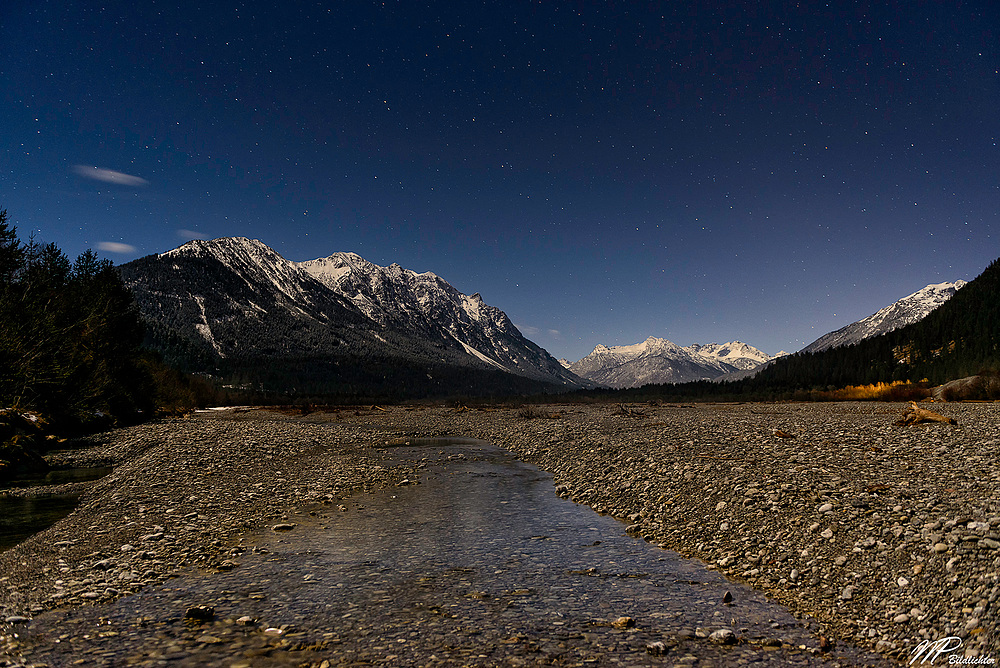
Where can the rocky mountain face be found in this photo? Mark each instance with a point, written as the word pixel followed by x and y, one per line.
pixel 235 306
pixel 428 307
pixel 735 353
pixel 907 310
pixel 662 361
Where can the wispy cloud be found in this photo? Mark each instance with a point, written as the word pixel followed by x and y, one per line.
pixel 528 330
pixel 109 176
pixel 191 234
pixel 115 247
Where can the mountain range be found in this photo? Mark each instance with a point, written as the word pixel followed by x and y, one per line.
pixel 236 309
pixel 661 361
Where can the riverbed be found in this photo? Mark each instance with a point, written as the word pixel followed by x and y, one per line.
pixel 186 520
pixel 473 560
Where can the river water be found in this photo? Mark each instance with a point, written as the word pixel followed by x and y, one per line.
pixel 23 516
pixel 475 562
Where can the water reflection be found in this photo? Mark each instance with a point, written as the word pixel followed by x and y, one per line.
pixel 22 517
pixel 58 477
pixel 479 564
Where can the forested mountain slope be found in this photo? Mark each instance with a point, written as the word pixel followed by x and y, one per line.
pixel 959 338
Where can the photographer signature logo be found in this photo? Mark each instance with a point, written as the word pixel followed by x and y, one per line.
pixel 928 652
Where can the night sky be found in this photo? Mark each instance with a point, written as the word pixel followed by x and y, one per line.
pixel 603 172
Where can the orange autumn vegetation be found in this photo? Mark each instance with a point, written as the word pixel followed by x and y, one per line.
pixel 897 390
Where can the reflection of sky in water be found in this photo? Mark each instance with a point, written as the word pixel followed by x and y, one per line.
pixel 497 525
pixel 21 518
pixel 58 477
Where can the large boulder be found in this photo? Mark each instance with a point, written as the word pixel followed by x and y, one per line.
pixel 984 387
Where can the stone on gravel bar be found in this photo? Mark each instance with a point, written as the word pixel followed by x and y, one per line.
pixel 623 623
pixel 722 637
pixel 200 613
pixel 657 648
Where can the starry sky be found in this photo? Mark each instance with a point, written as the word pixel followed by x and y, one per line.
pixel 601 171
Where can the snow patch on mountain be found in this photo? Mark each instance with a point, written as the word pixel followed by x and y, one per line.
pixel 203 327
pixel 475 353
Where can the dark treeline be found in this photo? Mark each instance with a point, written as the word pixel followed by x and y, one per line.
pixel 69 344
pixel 373 380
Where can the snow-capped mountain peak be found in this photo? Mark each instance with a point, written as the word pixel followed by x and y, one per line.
pixel 251 259
pixel 658 360
pixel 736 353
pixel 393 294
pixel 244 301
pixel 907 310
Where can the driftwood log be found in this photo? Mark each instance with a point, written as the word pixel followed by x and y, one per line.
pixel 915 415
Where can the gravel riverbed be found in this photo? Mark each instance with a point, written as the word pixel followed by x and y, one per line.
pixel 885 536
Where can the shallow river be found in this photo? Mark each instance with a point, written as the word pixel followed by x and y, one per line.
pixel 478 564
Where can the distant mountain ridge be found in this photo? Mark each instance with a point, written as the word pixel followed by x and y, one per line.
pixel 237 306
pixel 908 310
pixel 661 361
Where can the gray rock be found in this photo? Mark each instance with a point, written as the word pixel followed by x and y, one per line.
pixel 657 648
pixel 723 637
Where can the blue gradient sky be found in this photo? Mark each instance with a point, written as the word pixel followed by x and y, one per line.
pixel 603 172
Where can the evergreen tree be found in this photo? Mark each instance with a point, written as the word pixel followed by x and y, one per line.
pixel 70 334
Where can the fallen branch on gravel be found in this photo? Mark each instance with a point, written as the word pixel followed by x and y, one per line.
pixel 629 411
pixel 916 415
